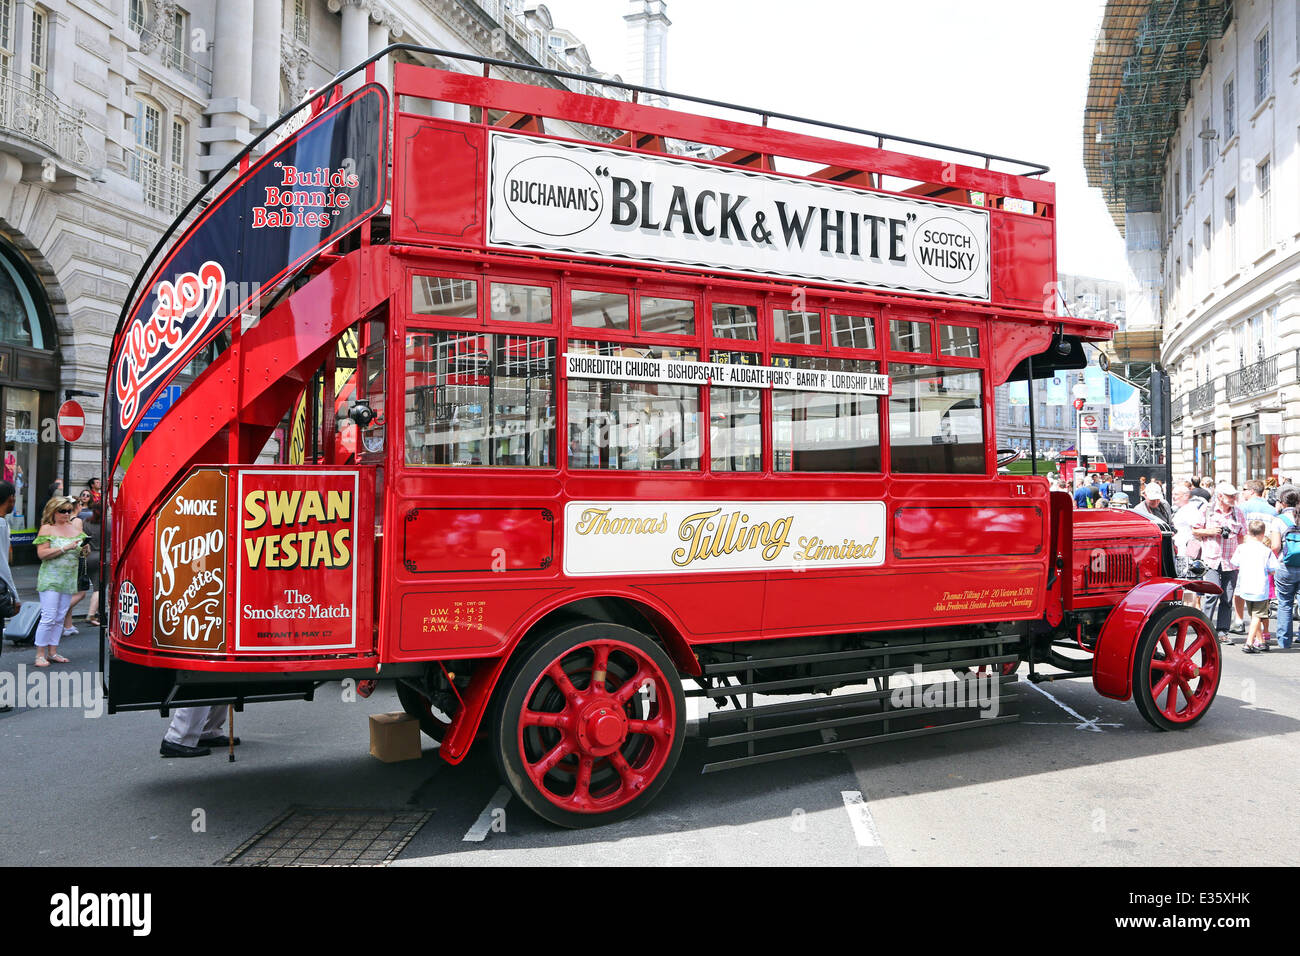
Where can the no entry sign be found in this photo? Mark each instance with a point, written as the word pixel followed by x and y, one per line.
pixel 72 420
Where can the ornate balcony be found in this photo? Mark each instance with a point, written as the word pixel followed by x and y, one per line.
pixel 1201 398
pixel 164 190
pixel 1253 379
pixel 1177 408
pixel 173 56
pixel 35 117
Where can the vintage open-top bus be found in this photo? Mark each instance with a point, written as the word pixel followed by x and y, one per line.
pixel 545 428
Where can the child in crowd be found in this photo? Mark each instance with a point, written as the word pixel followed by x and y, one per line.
pixel 1256 561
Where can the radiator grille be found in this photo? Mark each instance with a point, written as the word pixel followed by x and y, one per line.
pixel 1106 570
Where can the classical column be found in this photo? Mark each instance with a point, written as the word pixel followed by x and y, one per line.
pixel 231 108
pixel 354 40
pixel 379 40
pixel 268 15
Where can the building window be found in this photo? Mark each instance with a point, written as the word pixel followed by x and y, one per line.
pixel 174 54
pixel 1207 146
pixel 1207 235
pixel 1230 228
pixel 1265 204
pixel 135 15
pixel 1261 68
pixel 1178 191
pixel 1229 109
pixel 179 195
pixel 301 21
pixel 40 48
pixel 146 161
pixel 1191 172
pixel 6 35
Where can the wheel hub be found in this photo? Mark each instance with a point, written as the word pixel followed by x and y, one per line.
pixel 602 727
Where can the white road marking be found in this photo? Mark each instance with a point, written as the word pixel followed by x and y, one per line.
pixel 1084 722
pixel 864 828
pixel 483 825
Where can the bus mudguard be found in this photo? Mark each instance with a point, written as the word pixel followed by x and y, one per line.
pixel 1112 662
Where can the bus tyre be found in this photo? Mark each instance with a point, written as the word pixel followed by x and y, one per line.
pixel 1177 667
pixel 433 722
pixel 590 724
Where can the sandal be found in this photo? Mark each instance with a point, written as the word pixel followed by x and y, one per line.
pixel 59 659
pixel 42 662
pixel 93 621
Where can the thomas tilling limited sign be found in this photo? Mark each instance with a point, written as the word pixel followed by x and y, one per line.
pixel 586 200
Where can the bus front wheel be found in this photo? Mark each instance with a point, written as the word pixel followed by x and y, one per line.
pixel 590 724
pixel 1176 668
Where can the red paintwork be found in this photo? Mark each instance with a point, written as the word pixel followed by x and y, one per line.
pixel 467 560
pixel 1112 663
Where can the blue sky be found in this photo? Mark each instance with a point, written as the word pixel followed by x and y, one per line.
pixel 1005 76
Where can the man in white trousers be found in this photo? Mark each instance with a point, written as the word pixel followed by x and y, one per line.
pixel 194 731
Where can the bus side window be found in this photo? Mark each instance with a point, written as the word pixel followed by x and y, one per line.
pixel 480 399
pixel 633 426
pixel 936 420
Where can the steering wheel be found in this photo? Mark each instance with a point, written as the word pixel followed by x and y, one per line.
pixel 1007 455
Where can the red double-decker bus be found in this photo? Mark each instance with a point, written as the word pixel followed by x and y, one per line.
pixel 556 431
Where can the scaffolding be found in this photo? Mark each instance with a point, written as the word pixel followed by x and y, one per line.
pixel 1146 55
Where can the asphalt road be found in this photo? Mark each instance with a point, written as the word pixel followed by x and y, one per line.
pixel 1081 780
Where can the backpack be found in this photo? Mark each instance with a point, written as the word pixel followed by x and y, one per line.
pixel 1291 541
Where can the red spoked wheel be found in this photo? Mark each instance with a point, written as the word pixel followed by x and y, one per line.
pixel 1177 668
pixel 591 725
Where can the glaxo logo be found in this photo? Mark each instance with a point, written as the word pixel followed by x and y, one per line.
pixel 553 195
pixel 946 249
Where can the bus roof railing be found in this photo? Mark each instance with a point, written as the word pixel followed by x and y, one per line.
pixel 1031 169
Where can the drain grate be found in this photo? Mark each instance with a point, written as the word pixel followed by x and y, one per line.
pixel 314 836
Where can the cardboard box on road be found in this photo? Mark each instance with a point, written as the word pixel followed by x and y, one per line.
pixel 394 737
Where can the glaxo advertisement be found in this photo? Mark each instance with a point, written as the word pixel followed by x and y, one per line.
pixel 653 537
pixel 296 581
pixel 588 200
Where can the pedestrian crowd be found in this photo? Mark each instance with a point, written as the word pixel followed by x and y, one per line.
pixel 1245 541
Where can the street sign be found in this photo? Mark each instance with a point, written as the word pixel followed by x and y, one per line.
pixel 1089 444
pixel 1089 421
pixel 72 420
pixel 156 411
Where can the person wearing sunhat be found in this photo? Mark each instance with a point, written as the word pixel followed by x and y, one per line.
pixel 1154 507
pixel 1220 530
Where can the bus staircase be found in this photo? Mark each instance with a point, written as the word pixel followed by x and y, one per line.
pixel 743 732
pixel 227 414
pixel 230 411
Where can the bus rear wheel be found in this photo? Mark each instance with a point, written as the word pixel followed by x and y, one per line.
pixel 1176 669
pixel 590 725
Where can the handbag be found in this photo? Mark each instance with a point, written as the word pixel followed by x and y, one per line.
pixel 8 600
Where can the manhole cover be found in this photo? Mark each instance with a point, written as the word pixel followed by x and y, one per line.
pixel 310 836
